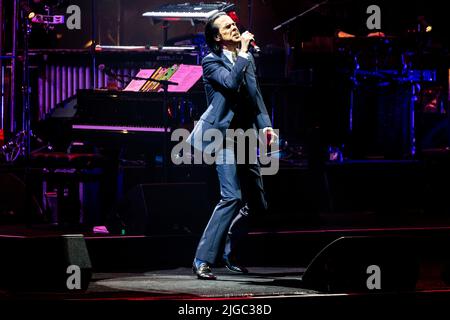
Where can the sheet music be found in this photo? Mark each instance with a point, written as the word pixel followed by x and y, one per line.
pixel 186 76
pixel 136 85
pixel 151 85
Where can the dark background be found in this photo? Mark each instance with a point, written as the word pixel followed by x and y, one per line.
pixel 308 94
pixel 308 91
pixel 120 22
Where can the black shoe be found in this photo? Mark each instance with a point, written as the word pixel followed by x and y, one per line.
pixel 234 268
pixel 203 272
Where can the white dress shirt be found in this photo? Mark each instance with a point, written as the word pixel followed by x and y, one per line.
pixel 229 55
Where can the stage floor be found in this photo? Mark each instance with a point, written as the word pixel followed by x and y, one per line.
pixel 264 293
pixel 182 283
pixel 132 277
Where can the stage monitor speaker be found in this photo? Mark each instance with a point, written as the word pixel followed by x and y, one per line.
pixel 48 264
pixel 165 208
pixel 364 264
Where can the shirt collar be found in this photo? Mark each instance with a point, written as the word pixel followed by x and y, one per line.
pixel 229 55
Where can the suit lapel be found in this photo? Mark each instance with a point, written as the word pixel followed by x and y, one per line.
pixel 229 65
pixel 249 72
pixel 225 61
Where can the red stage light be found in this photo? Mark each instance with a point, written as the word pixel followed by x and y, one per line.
pixel 233 15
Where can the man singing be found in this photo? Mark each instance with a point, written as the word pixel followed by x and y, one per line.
pixel 234 101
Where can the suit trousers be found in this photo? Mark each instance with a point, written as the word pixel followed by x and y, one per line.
pixel 242 193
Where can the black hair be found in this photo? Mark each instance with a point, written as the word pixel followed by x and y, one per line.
pixel 211 32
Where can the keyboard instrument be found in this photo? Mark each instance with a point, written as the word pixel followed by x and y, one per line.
pixel 119 111
pixel 188 11
pixel 122 125
pixel 121 129
pixel 127 125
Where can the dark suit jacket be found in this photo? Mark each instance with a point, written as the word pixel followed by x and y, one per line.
pixel 222 81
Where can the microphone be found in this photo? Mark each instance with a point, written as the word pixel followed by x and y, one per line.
pixel 105 69
pixel 112 76
pixel 235 18
pixel 255 46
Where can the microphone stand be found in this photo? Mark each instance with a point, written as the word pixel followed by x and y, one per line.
pixel 314 161
pixel 26 121
pixel 285 26
pixel 24 137
pixel 165 85
pixel 298 16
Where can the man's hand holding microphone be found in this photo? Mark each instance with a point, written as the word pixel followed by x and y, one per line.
pixel 248 41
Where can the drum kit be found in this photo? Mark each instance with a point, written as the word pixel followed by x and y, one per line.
pixel 386 77
pixel 387 74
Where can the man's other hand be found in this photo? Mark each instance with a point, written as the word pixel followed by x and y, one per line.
pixel 271 136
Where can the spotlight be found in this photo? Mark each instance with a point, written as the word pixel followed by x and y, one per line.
pixel 423 25
pixel 27 11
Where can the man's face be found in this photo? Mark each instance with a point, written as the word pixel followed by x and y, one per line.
pixel 228 31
